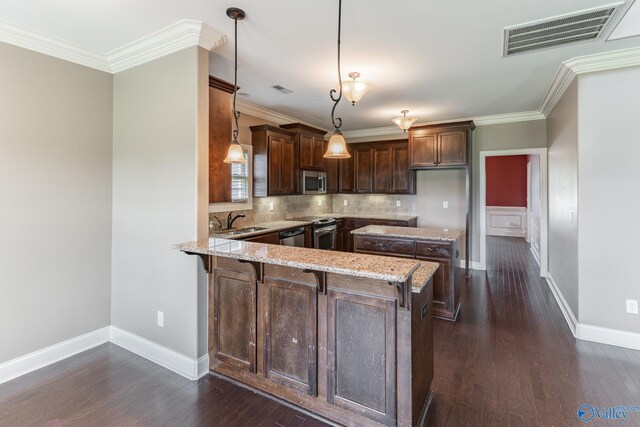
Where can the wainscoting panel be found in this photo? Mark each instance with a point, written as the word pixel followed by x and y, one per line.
pixel 506 221
pixel 535 237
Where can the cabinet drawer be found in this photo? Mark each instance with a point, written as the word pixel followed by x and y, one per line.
pixel 355 222
pixel 387 222
pixel 433 249
pixel 384 246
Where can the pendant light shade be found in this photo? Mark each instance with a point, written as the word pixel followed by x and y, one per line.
pixel 337 147
pixel 235 154
pixel 353 89
pixel 403 121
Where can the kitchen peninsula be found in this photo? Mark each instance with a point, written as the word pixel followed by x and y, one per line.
pixel 345 336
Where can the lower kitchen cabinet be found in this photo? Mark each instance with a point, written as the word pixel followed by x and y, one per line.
pixel 447 280
pixel 350 224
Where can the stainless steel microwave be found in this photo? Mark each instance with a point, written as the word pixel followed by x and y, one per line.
pixel 313 182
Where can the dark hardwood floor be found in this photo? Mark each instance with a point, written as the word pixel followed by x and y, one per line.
pixel 510 359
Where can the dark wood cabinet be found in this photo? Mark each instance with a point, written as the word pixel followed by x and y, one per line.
pixel 440 146
pixel 220 96
pixel 275 161
pixel 340 235
pixel 446 280
pixel 378 167
pixel 290 325
pixel 363 169
pixel 347 176
pixel 310 146
pixel 350 224
pixel 360 325
pixel 234 316
pixel 332 169
pixel 271 238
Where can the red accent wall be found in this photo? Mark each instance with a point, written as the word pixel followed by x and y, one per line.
pixel 507 181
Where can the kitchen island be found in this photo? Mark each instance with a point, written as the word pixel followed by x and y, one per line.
pixel 345 336
pixel 439 245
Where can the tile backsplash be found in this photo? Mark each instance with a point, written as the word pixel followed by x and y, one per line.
pixel 287 207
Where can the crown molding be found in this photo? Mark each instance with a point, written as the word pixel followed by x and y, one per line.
pixel 586 64
pixel 270 115
pixel 479 121
pixel 175 37
pixel 38 42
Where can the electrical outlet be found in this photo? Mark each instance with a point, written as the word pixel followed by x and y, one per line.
pixel 632 306
pixel 572 215
pixel 346 202
pixel 319 202
pixel 161 319
pixel 270 206
pixel 398 204
pixel 445 205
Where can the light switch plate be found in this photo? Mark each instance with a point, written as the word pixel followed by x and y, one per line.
pixel 398 204
pixel 319 202
pixel 445 205
pixel 345 202
pixel 632 306
pixel 161 319
pixel 271 206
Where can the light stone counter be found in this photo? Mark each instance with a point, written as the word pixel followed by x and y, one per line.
pixel 270 227
pixel 351 264
pixel 422 275
pixel 373 216
pixel 444 234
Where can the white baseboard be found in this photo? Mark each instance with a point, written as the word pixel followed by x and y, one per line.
pixel 52 354
pixel 203 366
pixel 609 336
pixel 475 265
pixel 536 255
pixel 163 356
pixel 564 306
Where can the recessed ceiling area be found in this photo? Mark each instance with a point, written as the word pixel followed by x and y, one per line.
pixel 441 60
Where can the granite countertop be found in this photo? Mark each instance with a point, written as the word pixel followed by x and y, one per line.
pixel 422 275
pixel 270 228
pixel 351 264
pixel 444 234
pixel 373 216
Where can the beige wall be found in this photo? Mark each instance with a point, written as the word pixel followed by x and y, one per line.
pixel 159 199
pixel 562 136
pixel 55 192
pixel 609 149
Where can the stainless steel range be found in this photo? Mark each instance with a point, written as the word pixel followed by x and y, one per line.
pixel 324 231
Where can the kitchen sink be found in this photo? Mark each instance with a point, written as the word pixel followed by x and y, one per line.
pixel 244 230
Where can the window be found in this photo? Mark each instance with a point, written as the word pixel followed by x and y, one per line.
pixel 240 180
pixel 241 185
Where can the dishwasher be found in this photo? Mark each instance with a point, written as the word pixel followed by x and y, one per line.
pixel 293 237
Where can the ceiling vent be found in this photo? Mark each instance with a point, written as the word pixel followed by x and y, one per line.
pixel 559 30
pixel 282 89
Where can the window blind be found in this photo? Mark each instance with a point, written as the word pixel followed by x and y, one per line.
pixel 240 180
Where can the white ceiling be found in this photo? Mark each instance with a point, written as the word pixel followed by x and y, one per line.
pixel 441 59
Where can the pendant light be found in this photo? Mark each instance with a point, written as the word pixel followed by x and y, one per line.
pixel 353 89
pixel 337 147
pixel 235 153
pixel 403 121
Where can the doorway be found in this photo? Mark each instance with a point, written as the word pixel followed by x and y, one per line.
pixel 514 217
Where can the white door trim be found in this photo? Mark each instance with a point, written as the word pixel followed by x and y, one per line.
pixel 542 152
pixel 528 233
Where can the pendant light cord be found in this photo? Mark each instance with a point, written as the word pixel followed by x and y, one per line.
pixel 236 114
pixel 337 121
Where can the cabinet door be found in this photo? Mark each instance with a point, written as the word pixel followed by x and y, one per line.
pixel 381 170
pixel 234 319
pixel 361 355
pixel 347 173
pixel 363 165
pixel 401 176
pixel 331 167
pixel 306 151
pixel 443 298
pixel 288 175
pixel 317 152
pixel 290 320
pixel 452 147
pixel 275 163
pixel 422 149
pixel 271 238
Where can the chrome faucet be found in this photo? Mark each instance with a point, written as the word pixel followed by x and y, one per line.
pixel 231 220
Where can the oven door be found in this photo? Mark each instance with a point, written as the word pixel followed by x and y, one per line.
pixel 325 238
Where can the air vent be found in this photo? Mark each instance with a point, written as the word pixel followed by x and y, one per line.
pixel 282 89
pixel 571 28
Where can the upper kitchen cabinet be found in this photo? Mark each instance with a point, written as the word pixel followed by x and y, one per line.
pixel 332 169
pixel 378 167
pixel 220 96
pixel 275 161
pixel 440 146
pixel 310 145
